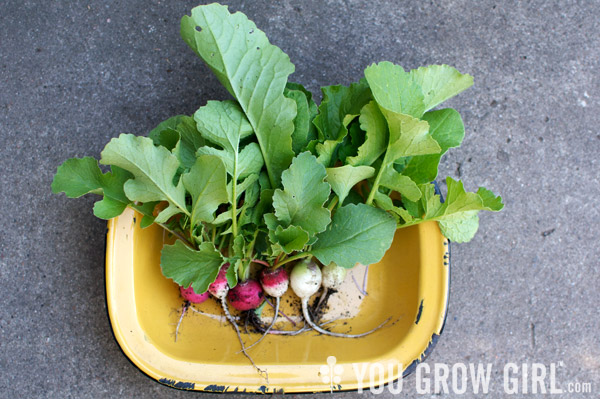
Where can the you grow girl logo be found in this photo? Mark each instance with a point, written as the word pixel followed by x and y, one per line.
pixel 371 376
pixel 331 374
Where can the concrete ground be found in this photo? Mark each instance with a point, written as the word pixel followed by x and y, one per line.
pixel 525 290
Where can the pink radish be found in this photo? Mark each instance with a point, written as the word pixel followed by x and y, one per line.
pixel 275 283
pixel 190 295
pixel 246 295
pixel 305 279
pixel 219 289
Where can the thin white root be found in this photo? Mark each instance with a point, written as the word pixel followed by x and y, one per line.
pixel 237 331
pixel 270 326
pixel 213 316
pixel 364 287
pixel 304 328
pixel 281 312
pixel 185 307
pixel 334 334
pixel 321 300
pixel 358 286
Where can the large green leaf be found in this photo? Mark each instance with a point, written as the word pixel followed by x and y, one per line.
pixel 254 71
pixel 373 123
pixel 339 102
pixel 457 216
pixel 224 124
pixel 300 203
pixel 306 110
pixel 207 183
pixel 343 178
pixel 312 113
pixel 439 82
pixel 249 160
pixel 401 184
pixel 394 90
pixel 408 136
pixel 289 239
pixel 187 266
pixel 385 202
pixel 339 107
pixel 179 135
pixel 79 176
pixel 357 234
pixel 153 168
pixel 446 127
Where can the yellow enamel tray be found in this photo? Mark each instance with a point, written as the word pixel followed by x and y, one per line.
pixel 410 284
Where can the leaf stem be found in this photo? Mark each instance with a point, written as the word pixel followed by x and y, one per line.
pixel 139 209
pixel 375 187
pixel 333 203
pixel 234 198
pixel 251 245
pixel 292 258
pixel 178 235
pixel 223 239
pixel 261 262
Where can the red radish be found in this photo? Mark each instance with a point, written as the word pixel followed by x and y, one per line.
pixel 305 280
pixel 190 295
pixel 246 295
pixel 220 287
pixel 275 283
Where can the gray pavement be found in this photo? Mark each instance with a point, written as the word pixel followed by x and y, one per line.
pixel 525 290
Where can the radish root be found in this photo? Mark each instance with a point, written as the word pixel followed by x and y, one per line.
pixel 212 316
pixel 358 286
pixel 186 305
pixel 304 328
pixel 334 334
pixel 237 331
pixel 364 287
pixel 270 326
pixel 281 312
pixel 321 300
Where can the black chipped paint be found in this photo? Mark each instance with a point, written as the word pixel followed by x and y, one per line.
pixel 427 352
pixel 420 312
pixel 177 384
pixel 262 389
pixel 215 388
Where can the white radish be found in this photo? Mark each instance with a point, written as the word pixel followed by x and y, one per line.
pixel 333 278
pixel 305 279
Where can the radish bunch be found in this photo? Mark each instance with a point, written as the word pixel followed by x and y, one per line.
pixel 269 178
